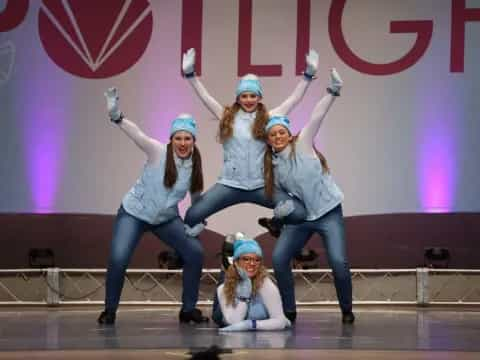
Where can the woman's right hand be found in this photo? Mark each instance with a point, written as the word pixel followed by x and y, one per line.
pixel 112 104
pixel 188 62
pixel 244 286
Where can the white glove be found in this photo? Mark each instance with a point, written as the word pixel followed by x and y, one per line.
pixel 112 103
pixel 336 82
pixel 243 325
pixel 194 231
pixel 312 63
pixel 188 62
pixel 283 208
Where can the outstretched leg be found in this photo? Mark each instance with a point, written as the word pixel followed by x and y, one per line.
pixel 127 232
pixel 291 242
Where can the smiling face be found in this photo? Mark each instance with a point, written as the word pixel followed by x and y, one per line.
pixel 248 101
pixel 278 137
pixel 250 262
pixel 183 142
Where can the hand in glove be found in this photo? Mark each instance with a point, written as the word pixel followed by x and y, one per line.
pixel 284 208
pixel 195 230
pixel 244 286
pixel 336 83
pixel 112 104
pixel 188 62
pixel 244 325
pixel 312 63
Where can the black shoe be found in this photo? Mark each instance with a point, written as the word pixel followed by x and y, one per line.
pixel 106 318
pixel 348 318
pixel 195 315
pixel 270 225
pixel 291 315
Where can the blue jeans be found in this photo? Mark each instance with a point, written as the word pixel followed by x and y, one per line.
pixel 292 240
pixel 220 196
pixel 127 232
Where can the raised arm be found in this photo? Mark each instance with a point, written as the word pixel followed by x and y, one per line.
pixel 287 106
pixel 308 133
pixel 151 147
pixel 188 68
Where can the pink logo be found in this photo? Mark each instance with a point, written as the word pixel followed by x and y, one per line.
pixel 95 39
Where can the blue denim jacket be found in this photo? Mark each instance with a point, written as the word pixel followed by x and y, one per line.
pixel 150 201
pixel 243 155
pixel 302 176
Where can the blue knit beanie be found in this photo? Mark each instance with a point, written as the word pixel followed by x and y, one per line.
pixel 278 120
pixel 249 83
pixel 184 122
pixel 246 246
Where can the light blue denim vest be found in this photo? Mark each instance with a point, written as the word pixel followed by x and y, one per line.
pixel 243 155
pixel 303 177
pixel 257 309
pixel 149 200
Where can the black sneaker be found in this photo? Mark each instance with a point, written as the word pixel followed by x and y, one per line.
pixel 195 315
pixel 106 318
pixel 270 225
pixel 348 318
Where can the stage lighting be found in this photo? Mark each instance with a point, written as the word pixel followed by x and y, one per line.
pixel 436 257
pixel 41 258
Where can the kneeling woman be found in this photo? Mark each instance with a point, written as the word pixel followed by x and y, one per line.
pixel 249 300
pixel 296 166
pixel 152 205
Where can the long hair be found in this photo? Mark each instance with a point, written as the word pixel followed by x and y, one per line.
pixel 268 173
pixel 232 278
pixel 171 174
pixel 225 130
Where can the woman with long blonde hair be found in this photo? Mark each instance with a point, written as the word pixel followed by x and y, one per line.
pixel 294 164
pixel 248 299
pixel 242 135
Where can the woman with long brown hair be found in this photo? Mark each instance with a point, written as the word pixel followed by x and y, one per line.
pixel 241 133
pixel 294 164
pixel 248 299
pixel 152 205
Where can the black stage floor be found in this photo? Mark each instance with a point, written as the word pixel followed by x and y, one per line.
pixel 375 329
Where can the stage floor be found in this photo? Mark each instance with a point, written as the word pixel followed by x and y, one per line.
pixel 154 333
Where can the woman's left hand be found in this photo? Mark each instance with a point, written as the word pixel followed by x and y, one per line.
pixel 312 63
pixel 244 325
pixel 336 81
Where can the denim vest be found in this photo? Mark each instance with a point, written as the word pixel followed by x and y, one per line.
pixel 302 176
pixel 243 155
pixel 257 309
pixel 149 200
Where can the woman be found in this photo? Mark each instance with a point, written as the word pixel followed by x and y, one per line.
pixel 152 205
pixel 248 299
pixel 241 132
pixel 294 164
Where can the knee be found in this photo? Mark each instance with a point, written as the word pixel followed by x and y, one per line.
pixel 340 267
pixel 281 261
pixel 194 256
pixel 118 259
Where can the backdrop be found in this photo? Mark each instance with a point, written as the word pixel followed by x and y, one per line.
pixel 401 138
